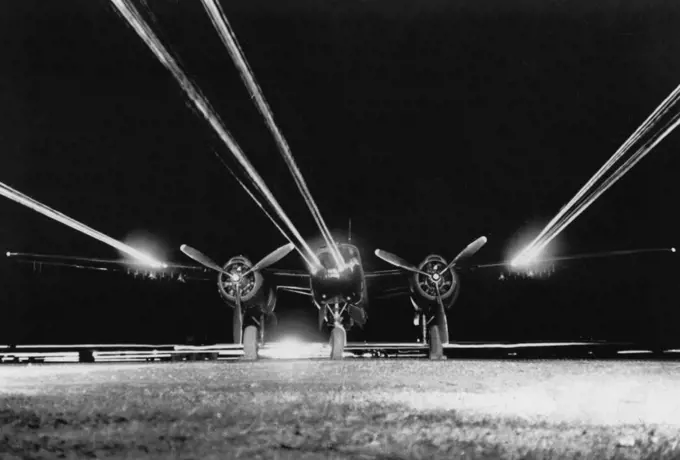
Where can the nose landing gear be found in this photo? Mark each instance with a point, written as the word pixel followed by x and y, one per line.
pixel 338 339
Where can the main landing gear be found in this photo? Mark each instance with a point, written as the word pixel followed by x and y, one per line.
pixel 253 338
pixel 435 342
pixel 430 333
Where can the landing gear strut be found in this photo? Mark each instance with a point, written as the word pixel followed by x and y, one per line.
pixel 430 330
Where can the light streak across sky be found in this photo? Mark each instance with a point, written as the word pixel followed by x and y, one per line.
pixel 139 25
pixel 254 198
pixel 228 38
pixel 35 205
pixel 586 196
pixel 661 110
pixel 627 166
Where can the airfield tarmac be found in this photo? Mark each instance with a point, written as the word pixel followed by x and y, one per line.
pixel 344 409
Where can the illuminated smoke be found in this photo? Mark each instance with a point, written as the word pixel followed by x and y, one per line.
pixel 29 202
pixel 135 20
pixel 228 37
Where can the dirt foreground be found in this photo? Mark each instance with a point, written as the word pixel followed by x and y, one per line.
pixel 351 409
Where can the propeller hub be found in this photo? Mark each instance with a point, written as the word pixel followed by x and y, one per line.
pixel 435 280
pixel 237 280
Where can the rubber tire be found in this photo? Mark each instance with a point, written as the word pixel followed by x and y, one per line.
pixel 250 338
pixel 338 342
pixel 435 342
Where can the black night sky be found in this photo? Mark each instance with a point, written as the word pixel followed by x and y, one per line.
pixel 427 123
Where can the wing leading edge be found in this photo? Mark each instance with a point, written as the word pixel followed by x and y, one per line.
pixel 175 271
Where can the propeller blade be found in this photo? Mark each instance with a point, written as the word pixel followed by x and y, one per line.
pixel 468 252
pixel 398 262
pixel 272 258
pixel 237 319
pixel 201 258
pixel 440 315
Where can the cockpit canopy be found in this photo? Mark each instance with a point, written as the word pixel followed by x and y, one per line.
pixel 334 284
pixel 349 253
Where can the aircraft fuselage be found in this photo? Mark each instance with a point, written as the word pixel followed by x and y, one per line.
pixel 339 289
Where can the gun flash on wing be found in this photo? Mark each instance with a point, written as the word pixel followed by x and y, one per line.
pixel 526 259
pixel 25 200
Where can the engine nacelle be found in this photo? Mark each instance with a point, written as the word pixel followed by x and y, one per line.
pixel 425 287
pixel 248 286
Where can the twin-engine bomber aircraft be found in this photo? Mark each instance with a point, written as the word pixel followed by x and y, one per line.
pixel 341 296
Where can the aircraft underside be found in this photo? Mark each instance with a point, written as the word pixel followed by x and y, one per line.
pixel 250 328
pixel 341 314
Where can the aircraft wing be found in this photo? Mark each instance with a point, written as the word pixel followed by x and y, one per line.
pixel 381 283
pixel 295 281
pixel 383 273
pixel 386 284
pixel 175 271
pixel 592 255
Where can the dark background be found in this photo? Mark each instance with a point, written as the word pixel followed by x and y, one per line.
pixel 428 123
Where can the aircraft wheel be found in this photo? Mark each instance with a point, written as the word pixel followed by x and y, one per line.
pixel 338 342
pixel 436 349
pixel 250 343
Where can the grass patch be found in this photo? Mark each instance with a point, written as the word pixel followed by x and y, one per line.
pixel 293 410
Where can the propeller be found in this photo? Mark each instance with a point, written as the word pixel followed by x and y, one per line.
pixel 442 322
pixel 469 251
pixel 463 255
pixel 270 259
pixel 438 276
pixel 201 258
pixel 237 318
pixel 398 262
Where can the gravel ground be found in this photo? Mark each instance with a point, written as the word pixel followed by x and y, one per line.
pixel 350 409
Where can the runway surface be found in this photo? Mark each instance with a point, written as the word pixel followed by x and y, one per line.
pixel 346 409
pixel 294 348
